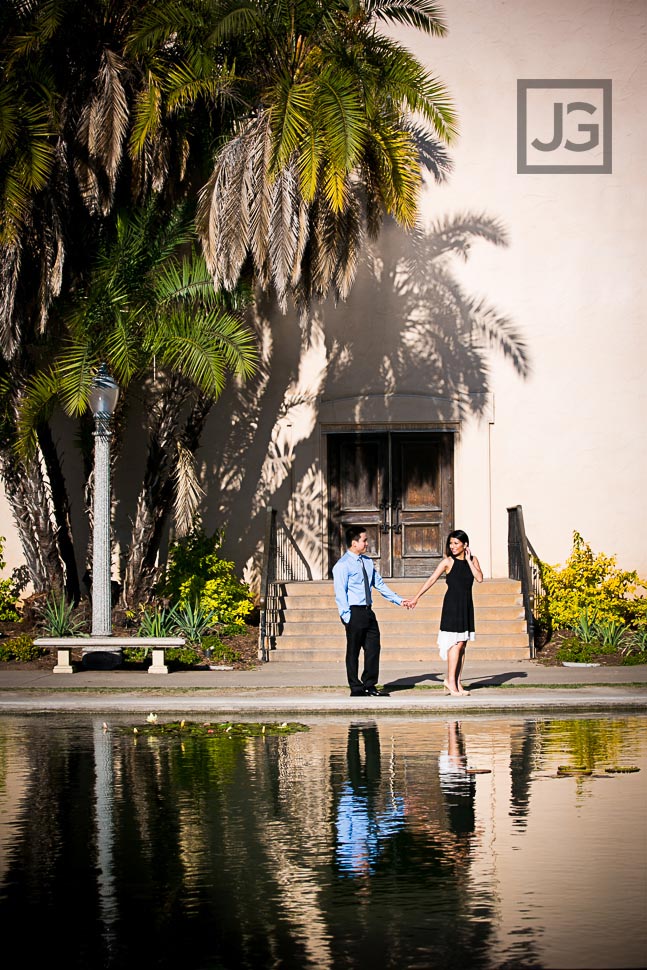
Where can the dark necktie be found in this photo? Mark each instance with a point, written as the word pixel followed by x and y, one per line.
pixel 367 588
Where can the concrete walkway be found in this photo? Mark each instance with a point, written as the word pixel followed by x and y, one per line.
pixel 283 689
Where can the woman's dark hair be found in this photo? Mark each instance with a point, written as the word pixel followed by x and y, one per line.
pixel 456 534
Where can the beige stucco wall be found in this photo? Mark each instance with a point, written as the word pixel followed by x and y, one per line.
pixel 567 441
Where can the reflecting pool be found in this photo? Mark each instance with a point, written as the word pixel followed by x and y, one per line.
pixel 382 842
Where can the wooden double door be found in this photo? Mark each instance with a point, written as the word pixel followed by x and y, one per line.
pixel 399 485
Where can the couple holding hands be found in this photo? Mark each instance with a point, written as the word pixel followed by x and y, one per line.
pixel 355 577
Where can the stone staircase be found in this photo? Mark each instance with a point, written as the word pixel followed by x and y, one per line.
pixel 310 628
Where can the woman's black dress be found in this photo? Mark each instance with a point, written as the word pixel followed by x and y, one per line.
pixel 457 617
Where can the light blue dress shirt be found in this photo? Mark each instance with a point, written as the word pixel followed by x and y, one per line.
pixel 348 580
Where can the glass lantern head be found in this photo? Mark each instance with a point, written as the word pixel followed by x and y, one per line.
pixel 104 394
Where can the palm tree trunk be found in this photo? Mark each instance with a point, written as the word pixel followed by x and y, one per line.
pixel 61 511
pixel 155 503
pixel 28 497
pixel 156 495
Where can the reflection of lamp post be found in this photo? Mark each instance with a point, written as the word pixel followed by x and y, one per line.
pixel 103 400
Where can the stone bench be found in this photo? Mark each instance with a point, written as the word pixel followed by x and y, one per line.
pixel 65 645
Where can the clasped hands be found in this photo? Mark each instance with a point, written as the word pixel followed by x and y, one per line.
pixel 409 604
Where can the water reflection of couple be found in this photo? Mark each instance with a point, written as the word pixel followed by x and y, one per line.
pixel 367 818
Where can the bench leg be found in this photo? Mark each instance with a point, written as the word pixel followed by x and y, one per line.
pixel 158 666
pixel 63 664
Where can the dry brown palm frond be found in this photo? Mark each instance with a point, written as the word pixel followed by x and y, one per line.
pixel 188 491
pixel 260 189
pixel 102 130
pixel 286 236
pixel 109 123
pixel 221 217
pixel 336 240
pixel 10 263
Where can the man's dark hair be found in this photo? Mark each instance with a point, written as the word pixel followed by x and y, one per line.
pixel 354 532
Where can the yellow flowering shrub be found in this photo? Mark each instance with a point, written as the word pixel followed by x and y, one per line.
pixel 592 584
pixel 197 574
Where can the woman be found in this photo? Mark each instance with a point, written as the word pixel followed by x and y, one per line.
pixel 457 619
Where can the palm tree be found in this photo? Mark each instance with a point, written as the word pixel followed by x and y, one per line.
pixel 317 125
pixel 149 304
pixel 328 146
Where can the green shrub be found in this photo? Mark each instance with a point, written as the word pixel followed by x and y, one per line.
pixel 218 652
pixel 10 590
pixel 20 648
pixel 634 645
pixel 157 621
pixel 574 650
pixel 590 584
pixel 585 628
pixel 60 618
pixel 192 621
pixel 611 633
pixel 183 657
pixel 180 656
pixel 196 574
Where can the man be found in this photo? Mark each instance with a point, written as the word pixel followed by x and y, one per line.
pixel 355 577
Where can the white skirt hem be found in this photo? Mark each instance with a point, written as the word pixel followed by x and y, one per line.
pixel 447 639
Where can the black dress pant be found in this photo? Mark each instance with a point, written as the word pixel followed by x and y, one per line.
pixel 362 632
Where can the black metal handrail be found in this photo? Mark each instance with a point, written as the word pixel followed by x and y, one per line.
pixel 283 562
pixel 524 565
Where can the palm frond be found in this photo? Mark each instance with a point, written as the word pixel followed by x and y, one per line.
pixel 36 405
pixel 188 491
pixel 432 154
pixel 286 238
pixel 203 348
pixel 425 15
pixel 109 116
pixel 147 116
pixel 200 78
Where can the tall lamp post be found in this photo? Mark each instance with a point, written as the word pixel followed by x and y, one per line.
pixel 103 401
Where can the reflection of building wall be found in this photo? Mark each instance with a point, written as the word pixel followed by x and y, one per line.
pixel 14 782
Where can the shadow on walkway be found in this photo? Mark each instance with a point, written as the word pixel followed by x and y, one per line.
pixel 496 680
pixel 406 683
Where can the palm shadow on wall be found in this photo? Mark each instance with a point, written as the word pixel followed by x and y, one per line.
pixel 408 327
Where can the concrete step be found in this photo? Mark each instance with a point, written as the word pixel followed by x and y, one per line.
pixel 310 629
pixel 394 654
pixel 405 587
pixel 316 615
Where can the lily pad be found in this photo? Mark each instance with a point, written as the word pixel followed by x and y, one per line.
pixel 207 729
pixel 622 769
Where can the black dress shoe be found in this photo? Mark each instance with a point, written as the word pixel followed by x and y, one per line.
pixel 358 693
pixel 374 692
